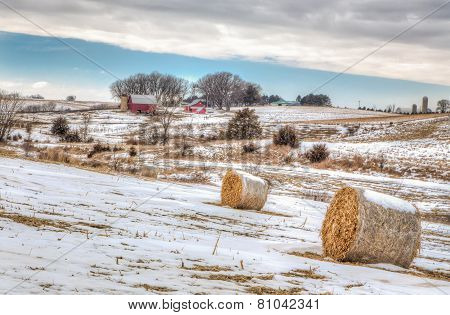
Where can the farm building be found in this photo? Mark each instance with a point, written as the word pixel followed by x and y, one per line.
pixel 404 110
pixel 139 103
pixel 196 106
pixel 286 103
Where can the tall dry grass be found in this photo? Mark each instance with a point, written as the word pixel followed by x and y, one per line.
pixel 57 155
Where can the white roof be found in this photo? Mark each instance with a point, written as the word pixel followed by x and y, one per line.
pixel 196 101
pixel 143 99
pixel 404 110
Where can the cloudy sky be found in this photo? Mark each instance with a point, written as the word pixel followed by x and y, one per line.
pixel 268 37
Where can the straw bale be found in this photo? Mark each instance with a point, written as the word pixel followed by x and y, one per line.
pixel 241 190
pixel 370 227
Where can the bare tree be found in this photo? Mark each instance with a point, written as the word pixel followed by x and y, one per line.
pixel 85 121
pixel 391 108
pixel 140 83
pixel 27 145
pixel 170 93
pixel 222 89
pixel 10 105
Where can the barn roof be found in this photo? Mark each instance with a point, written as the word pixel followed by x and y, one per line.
pixel 196 101
pixel 143 99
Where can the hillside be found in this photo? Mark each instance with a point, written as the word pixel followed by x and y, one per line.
pixel 76 231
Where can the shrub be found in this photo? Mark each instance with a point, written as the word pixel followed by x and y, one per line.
pixel 244 125
pixel 60 126
pixel 250 147
pixel 351 130
pixel 290 157
pixel 27 146
pixel 149 135
pixel 318 153
pixel 153 135
pixel 215 134
pixel 97 148
pixel 72 136
pixel 286 135
pixel 132 152
pixel 48 107
pixel 29 128
pixel 132 141
pixel 184 146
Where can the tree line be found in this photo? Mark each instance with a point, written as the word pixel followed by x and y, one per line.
pixel 221 90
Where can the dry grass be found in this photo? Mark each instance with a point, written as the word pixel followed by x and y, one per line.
pixel 262 290
pixel 266 212
pixel 149 172
pixel 224 277
pixel 304 273
pixel 357 162
pixel 353 285
pixel 433 274
pixel 7 153
pixel 415 271
pixel 443 218
pixel 309 255
pixel 94 225
pixel 211 268
pixel 233 278
pixel 57 155
pixel 420 130
pixel 184 175
pixel 316 195
pixel 148 287
pixel 33 221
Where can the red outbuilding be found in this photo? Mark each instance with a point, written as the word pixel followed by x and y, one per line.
pixel 142 103
pixel 196 107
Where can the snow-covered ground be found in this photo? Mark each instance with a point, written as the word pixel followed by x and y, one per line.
pixel 115 126
pixel 66 230
pixel 269 114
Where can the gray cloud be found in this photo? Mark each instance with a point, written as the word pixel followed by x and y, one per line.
pixel 322 34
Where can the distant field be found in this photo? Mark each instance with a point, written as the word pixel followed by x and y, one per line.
pixel 381 118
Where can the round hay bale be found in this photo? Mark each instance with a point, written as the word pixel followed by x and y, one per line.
pixel 370 227
pixel 241 190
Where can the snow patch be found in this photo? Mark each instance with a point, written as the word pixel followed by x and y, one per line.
pixel 389 202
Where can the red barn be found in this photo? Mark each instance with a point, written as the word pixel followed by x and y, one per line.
pixel 142 103
pixel 196 107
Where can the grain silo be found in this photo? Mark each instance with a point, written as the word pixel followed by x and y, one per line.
pixel 424 105
pixel 124 103
pixel 414 109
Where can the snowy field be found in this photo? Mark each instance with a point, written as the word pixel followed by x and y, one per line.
pixel 114 124
pixel 278 114
pixel 66 230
